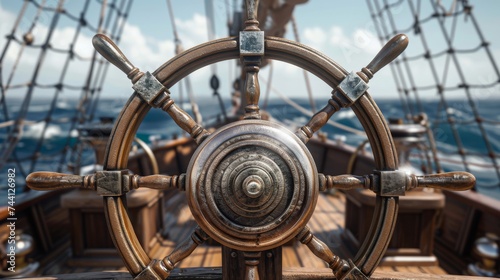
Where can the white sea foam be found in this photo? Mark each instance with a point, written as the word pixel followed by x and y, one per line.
pixel 63 104
pixel 74 133
pixel 36 130
pixel 345 114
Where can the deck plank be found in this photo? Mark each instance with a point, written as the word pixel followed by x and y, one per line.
pixel 213 258
pixel 290 258
pixel 288 274
pixel 326 223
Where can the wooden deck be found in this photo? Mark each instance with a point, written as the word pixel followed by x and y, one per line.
pixel 327 224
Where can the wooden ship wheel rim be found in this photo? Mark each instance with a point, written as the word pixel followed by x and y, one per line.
pixel 251 183
pixel 295 53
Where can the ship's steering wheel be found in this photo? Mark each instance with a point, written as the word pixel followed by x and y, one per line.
pixel 251 185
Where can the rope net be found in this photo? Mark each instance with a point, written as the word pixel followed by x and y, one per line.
pixel 45 32
pixel 449 49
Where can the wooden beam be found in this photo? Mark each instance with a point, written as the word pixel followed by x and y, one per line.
pixel 288 273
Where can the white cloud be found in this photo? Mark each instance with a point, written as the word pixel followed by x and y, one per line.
pixel 351 48
pixel 315 37
pixel 337 37
pixel 147 53
pixel 361 44
pixel 29 56
pixel 190 32
pixel 150 53
pixel 63 37
pixel 285 68
pixel 366 40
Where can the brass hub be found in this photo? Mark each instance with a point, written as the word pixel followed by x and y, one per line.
pixel 252 185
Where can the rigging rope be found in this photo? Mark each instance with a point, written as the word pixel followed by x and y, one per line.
pixel 209 11
pixel 98 80
pixel 269 84
pixel 90 90
pixel 472 103
pixel 178 49
pixel 214 80
pixel 3 88
pixel 58 90
pixel 444 111
pixel 306 76
pixel 115 35
pixel 178 44
pixel 85 97
pixel 15 134
pixel 402 98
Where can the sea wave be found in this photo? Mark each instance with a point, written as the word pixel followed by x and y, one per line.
pixel 345 114
pixel 37 130
pixel 159 124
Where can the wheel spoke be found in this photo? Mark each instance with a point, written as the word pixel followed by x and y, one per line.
pixel 252 87
pixel 184 249
pixel 122 182
pixel 184 120
pixel 352 87
pixel 149 88
pixel 161 269
pixel 251 53
pixel 45 181
pixel 395 183
pixel 452 181
pixel 342 269
pixel 344 182
pixel 318 120
pixel 158 182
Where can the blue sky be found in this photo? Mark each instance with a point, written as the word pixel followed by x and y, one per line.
pixel 341 29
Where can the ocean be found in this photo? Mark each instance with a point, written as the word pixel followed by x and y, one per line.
pixel 159 126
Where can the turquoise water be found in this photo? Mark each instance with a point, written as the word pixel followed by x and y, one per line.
pixel 158 125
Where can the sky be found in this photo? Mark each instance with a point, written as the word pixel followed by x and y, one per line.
pixel 343 30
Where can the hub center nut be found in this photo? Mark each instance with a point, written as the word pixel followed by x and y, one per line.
pixel 253 186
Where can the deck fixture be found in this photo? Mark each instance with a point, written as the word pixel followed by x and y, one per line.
pixel 487 248
pixel 23 266
pixel 408 137
pixel 252 185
